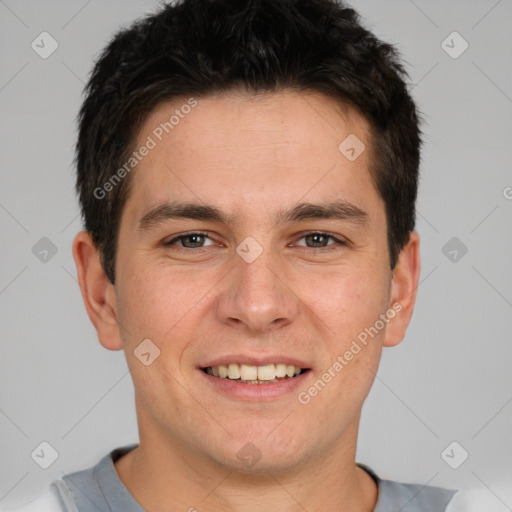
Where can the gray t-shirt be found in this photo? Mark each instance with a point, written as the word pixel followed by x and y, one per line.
pixel 99 489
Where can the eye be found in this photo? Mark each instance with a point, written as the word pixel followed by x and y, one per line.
pixel 320 239
pixel 196 239
pixel 190 240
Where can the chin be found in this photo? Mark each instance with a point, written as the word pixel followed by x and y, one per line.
pixel 261 452
pixel 264 463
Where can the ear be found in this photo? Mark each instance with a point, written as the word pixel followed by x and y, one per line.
pixel 97 291
pixel 403 290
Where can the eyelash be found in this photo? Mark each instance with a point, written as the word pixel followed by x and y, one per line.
pixel 327 248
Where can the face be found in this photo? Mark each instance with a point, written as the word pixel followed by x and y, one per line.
pixel 253 276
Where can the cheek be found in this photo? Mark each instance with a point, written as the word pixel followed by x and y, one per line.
pixel 159 305
pixel 158 302
pixel 347 300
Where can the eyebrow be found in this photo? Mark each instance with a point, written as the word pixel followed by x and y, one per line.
pixel 339 210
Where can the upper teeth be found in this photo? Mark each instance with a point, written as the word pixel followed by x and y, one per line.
pixel 250 372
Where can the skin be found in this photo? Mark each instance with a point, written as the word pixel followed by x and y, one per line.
pixel 250 155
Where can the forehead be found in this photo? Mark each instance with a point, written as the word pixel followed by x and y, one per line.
pixel 244 151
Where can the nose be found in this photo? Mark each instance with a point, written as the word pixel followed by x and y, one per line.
pixel 256 296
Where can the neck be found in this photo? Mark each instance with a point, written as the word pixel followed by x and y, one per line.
pixel 163 475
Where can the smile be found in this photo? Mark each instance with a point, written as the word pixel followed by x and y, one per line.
pixel 251 374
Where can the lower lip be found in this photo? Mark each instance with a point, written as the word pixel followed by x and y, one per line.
pixel 256 392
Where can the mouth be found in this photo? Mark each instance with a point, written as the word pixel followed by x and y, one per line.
pixel 251 374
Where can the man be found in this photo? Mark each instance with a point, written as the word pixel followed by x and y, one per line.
pixel 247 173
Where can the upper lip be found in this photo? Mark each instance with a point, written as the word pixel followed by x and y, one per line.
pixel 255 360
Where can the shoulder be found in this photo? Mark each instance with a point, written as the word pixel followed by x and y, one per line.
pixel 94 488
pixel 409 497
pixel 412 497
pixel 55 499
pixel 424 498
pixel 476 500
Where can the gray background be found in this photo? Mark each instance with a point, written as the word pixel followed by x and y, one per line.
pixel 450 380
